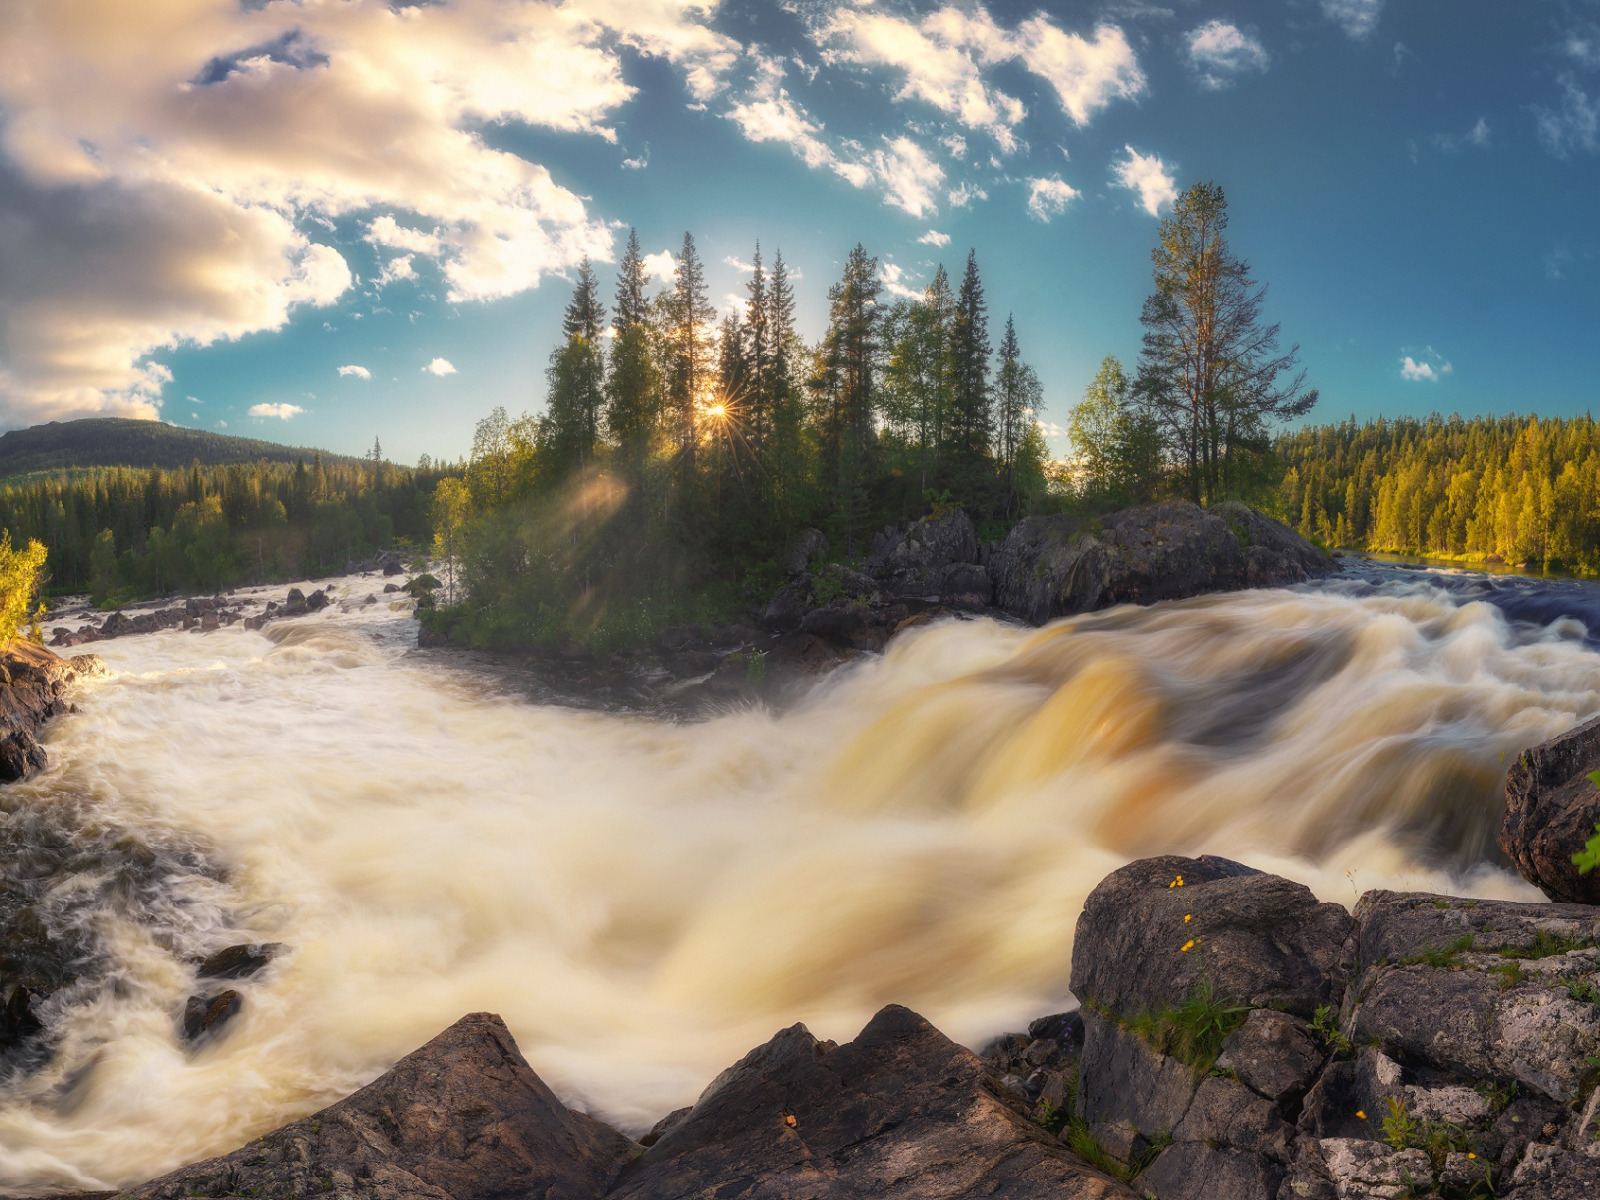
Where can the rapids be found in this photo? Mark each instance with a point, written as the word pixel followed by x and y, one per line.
pixel 644 901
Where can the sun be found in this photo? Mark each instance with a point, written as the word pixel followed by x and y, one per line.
pixel 718 411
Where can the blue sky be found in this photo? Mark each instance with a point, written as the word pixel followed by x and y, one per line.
pixel 209 207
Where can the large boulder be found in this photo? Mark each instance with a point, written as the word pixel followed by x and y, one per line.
pixel 1552 807
pixel 1157 929
pixel 33 687
pixel 899 1112
pixel 936 557
pixel 1057 565
pixel 463 1118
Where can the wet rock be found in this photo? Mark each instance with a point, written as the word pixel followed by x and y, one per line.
pixel 1552 808
pixel 1056 565
pixel 203 1016
pixel 390 587
pixel 318 601
pixel 209 623
pixel 901 1111
pixel 1273 1054
pixel 463 1118
pixel 1257 939
pixel 239 962
pixel 34 682
pixel 806 547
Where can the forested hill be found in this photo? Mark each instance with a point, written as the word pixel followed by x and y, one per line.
pixel 119 442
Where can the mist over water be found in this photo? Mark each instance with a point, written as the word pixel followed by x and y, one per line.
pixel 643 902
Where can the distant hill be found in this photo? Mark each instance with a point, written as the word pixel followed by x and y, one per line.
pixel 119 442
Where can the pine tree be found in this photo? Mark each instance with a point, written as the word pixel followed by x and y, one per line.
pixel 633 387
pixel 691 359
pixel 971 418
pixel 1018 400
pixel 755 405
pixel 846 391
pixel 784 455
pixel 632 307
pixel 570 430
pixel 585 316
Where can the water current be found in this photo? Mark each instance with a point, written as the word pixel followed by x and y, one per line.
pixel 644 901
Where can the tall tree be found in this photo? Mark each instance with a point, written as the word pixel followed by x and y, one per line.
pixel 845 388
pixel 756 402
pixel 971 418
pixel 585 316
pixel 692 313
pixel 1210 369
pixel 633 387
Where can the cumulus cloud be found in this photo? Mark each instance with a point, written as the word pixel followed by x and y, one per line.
pixel 441 367
pixel 358 372
pixel 1574 124
pixel 1049 197
pixel 1356 17
pixel 738 264
pixel 281 411
pixel 941 60
pixel 964 194
pixel 161 180
pixel 1219 52
pixel 1430 368
pixel 397 268
pixel 894 281
pixel 934 238
pixel 910 179
pixel 1149 177
pixel 661 267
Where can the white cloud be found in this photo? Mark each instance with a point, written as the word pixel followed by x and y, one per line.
pixel 1575 125
pixel 637 163
pixel 1584 49
pixel 942 59
pixel 738 264
pixel 894 281
pixel 1049 197
pixel 661 267
pixel 1476 138
pixel 956 144
pixel 1149 176
pixel 397 268
pixel 934 238
pixel 1219 51
pixel 441 367
pixel 1430 368
pixel 1357 17
pixel 909 177
pixel 964 194
pixel 281 411
pixel 358 372
pixel 158 177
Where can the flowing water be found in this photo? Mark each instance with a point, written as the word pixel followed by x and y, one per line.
pixel 644 901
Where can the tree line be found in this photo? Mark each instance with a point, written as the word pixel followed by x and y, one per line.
pixel 1520 489
pixel 121 533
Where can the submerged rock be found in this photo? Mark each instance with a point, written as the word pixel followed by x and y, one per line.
pixel 1054 566
pixel 203 1016
pixel 1552 807
pixel 239 962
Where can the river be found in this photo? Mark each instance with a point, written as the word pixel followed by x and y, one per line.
pixel 645 901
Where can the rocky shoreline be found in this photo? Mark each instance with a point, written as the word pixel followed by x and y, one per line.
pixel 1237 1040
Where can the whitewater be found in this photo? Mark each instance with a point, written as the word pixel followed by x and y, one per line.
pixel 643 901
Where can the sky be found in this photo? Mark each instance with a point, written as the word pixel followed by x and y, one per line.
pixel 327 221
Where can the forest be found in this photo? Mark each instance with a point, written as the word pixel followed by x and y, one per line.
pixel 124 533
pixel 1518 490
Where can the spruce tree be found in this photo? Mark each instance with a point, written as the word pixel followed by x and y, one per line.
pixel 632 307
pixel 846 391
pixel 633 387
pixel 971 418
pixel 570 431
pixel 691 359
pixel 585 315
pixel 755 404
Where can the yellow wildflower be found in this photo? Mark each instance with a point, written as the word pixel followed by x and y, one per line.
pixel 1360 1116
pixel 1178 882
pixel 1189 945
pixel 1187 917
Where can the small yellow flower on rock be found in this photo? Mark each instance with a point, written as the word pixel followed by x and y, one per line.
pixel 789 1120
pixel 1187 917
pixel 1189 945
pixel 1178 882
pixel 1470 1154
pixel 1360 1116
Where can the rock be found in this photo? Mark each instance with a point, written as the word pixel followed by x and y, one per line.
pixel 1462 1172
pixel 1053 566
pixel 691 664
pixel 1129 1094
pixel 916 563
pixel 1331 1106
pixel 318 601
pixel 422 585
pixel 239 962
pixel 371 599
pixel 1273 1055
pixel 203 1016
pixel 806 547
pixel 789 605
pixel 1363 1170
pixel 33 686
pixel 117 624
pixel 1065 1028
pixel 851 583
pixel 463 1118
pixel 901 1111
pixel 1551 1173
pixel 1196 1171
pixel 209 623
pixel 296 596
pixel 1551 811
pixel 1259 939
pixel 390 587
pixel 1227 1114
pixel 663 1125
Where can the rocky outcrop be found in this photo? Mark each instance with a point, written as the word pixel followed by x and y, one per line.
pixel 1552 809
pixel 33 687
pixel 1054 566
pixel 463 1118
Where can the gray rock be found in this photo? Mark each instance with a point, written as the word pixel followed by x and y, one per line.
pixel 239 962
pixel 1363 1170
pixel 899 1112
pixel 1333 1107
pixel 806 547
pixel 1551 812
pixel 1129 1094
pixel 918 563
pixel 204 1016
pixel 1551 1173
pixel 463 1118
pixel 1225 1113
pixel 1273 1054
pixel 1258 939
pixel 1053 566
pixel 1196 1171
